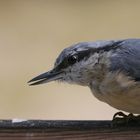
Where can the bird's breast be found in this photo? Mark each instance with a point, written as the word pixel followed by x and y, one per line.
pixel 119 91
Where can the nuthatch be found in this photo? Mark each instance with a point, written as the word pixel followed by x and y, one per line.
pixel 111 69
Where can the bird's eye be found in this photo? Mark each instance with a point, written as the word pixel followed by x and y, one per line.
pixel 72 59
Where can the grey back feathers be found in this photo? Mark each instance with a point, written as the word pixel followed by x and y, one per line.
pixel 127 58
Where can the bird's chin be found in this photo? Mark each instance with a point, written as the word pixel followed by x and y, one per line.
pixel 62 80
pixel 82 84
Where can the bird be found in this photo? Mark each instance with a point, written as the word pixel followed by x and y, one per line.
pixel 110 68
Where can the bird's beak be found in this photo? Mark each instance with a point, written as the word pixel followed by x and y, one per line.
pixel 46 77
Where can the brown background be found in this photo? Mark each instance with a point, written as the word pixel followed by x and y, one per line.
pixel 33 33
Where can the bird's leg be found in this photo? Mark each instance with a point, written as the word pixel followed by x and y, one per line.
pixel 124 119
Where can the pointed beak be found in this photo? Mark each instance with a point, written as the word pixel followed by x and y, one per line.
pixel 46 77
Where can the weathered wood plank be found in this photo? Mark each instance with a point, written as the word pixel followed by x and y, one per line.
pixel 67 130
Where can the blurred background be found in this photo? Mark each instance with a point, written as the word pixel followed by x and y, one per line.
pixel 34 32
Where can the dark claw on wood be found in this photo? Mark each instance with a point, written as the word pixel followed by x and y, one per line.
pixel 121 119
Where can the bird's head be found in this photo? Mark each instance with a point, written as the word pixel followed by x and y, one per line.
pixel 76 64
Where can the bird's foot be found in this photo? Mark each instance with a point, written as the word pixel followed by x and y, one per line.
pixel 121 119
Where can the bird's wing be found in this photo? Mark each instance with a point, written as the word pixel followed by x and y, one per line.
pixel 127 58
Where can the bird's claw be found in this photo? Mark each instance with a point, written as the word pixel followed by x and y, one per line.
pixel 121 114
pixel 121 119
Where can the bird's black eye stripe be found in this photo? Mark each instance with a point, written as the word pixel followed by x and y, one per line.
pixel 78 56
pixel 72 59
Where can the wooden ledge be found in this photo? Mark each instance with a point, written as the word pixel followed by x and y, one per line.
pixel 68 130
pixel 51 124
